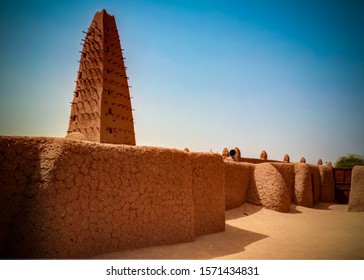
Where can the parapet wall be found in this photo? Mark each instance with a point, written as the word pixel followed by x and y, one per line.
pixel 267 188
pixel 276 185
pixel 64 198
pixel 208 183
pixel 237 181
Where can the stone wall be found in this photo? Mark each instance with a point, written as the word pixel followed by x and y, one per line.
pixel 356 198
pixel 65 198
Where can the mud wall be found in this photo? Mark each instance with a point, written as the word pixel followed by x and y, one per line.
pixel 237 181
pixel 276 185
pixel 268 188
pixel 327 188
pixel 303 194
pixel 287 171
pixel 316 182
pixel 356 198
pixel 255 160
pixel 64 198
pixel 208 183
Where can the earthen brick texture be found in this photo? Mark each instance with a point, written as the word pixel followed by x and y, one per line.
pixel 63 198
pixel 237 181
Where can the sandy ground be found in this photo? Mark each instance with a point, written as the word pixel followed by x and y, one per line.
pixel 327 231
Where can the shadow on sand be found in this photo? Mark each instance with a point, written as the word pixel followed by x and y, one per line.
pixel 323 206
pixel 232 241
pixel 244 210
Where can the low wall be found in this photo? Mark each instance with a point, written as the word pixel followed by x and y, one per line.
pixel 63 198
pixel 356 197
pixel 287 171
pixel 303 194
pixel 273 184
pixel 256 160
pixel 237 181
pixel 316 182
pixel 268 188
pixel 208 182
pixel 327 186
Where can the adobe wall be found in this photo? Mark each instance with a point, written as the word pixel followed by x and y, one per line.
pixel 287 172
pixel 256 160
pixel 208 184
pixel 303 194
pixel 274 184
pixel 63 198
pixel 316 182
pixel 237 181
pixel 327 188
pixel 268 188
pixel 356 198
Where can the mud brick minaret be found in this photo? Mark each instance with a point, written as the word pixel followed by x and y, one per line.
pixel 101 107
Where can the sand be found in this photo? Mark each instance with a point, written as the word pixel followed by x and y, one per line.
pixel 326 231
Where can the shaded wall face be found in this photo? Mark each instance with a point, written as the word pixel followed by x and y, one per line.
pixel 287 172
pixel 117 124
pixel 327 189
pixel 87 198
pixel 19 177
pixel 356 198
pixel 208 183
pixel 303 194
pixel 316 182
pixel 237 180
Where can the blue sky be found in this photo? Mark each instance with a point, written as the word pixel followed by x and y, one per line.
pixel 283 76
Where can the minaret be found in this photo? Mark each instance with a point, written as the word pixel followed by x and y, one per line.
pixel 101 107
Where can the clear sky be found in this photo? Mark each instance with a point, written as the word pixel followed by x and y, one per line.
pixel 283 76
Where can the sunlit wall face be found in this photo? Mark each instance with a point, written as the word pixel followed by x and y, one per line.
pixel 286 77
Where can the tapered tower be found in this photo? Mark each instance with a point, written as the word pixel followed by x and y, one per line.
pixel 101 107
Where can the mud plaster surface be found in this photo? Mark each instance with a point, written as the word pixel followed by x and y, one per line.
pixel 62 198
pixel 326 231
pixel 356 199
